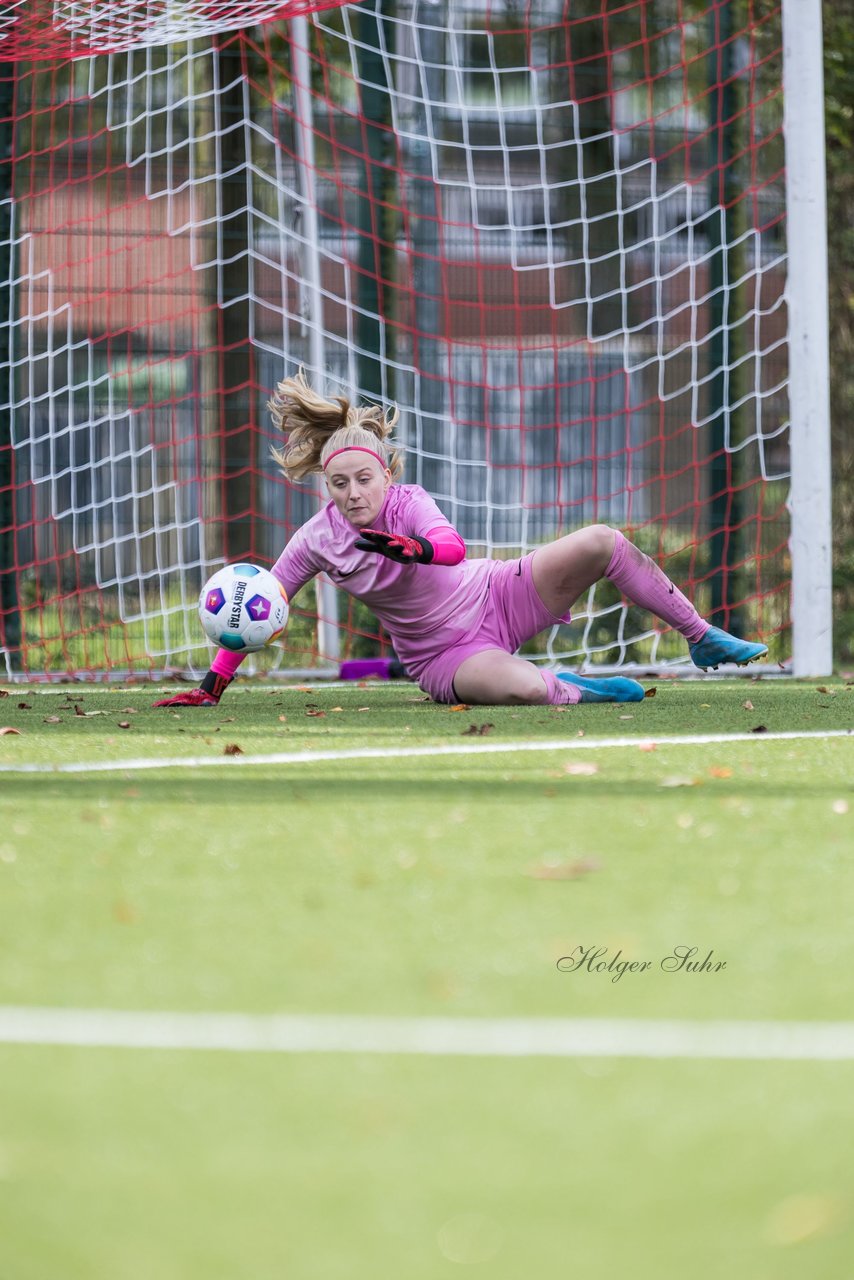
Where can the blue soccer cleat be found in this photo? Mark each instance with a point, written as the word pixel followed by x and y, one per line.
pixel 717 647
pixel 612 689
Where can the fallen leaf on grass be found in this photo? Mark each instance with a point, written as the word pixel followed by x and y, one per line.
pixel 581 768
pixel 78 712
pixel 232 749
pixel 720 771
pixel 460 706
pixel 649 693
pixel 759 728
pixel 705 706
pixel 4 693
pixel 748 705
pixel 627 717
pixel 336 708
pixel 52 720
pixel 311 712
pixel 129 711
pixel 677 781
pixel 227 720
pixel 822 688
pixel 124 724
pixel 282 719
pixel 363 708
pixel 804 1217
pixel 475 730
pixel 8 729
pixel 123 912
pixel 25 706
pixel 564 870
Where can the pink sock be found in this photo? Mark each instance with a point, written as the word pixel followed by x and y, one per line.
pixel 560 693
pixel 642 582
pixel 226 663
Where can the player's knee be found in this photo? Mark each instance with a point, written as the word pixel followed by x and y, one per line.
pixel 602 536
pixel 599 543
pixel 513 683
pixel 527 689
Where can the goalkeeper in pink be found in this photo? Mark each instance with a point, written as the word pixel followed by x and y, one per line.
pixel 455 623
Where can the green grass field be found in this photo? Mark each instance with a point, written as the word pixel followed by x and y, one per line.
pixel 416 886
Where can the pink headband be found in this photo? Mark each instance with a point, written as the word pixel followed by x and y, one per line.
pixel 361 448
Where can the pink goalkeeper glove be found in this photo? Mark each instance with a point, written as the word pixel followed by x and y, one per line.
pixel 397 546
pixel 208 695
pixel 192 698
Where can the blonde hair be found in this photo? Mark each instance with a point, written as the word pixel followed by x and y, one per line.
pixel 316 428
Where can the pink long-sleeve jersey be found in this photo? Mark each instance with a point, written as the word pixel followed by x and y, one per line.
pixel 422 607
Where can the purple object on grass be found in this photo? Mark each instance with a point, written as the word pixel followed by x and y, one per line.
pixel 364 668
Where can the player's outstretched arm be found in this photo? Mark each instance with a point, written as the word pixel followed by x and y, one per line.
pixel 442 546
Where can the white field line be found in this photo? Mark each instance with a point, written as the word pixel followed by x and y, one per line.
pixel 79 688
pixel 467 1037
pixel 410 753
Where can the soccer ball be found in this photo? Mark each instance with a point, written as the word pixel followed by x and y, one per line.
pixel 243 608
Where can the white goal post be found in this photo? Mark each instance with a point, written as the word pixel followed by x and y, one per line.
pixel 809 362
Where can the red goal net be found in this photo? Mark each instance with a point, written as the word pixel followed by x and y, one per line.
pixel 554 234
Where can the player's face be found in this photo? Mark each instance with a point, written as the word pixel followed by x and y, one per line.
pixel 357 484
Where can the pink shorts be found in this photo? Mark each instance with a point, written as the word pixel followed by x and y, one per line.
pixel 512 612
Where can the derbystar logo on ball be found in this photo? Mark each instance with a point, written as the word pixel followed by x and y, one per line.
pixel 243 608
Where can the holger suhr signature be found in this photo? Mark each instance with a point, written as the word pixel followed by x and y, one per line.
pixel 680 960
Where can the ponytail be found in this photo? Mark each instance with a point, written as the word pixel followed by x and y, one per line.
pixel 315 428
